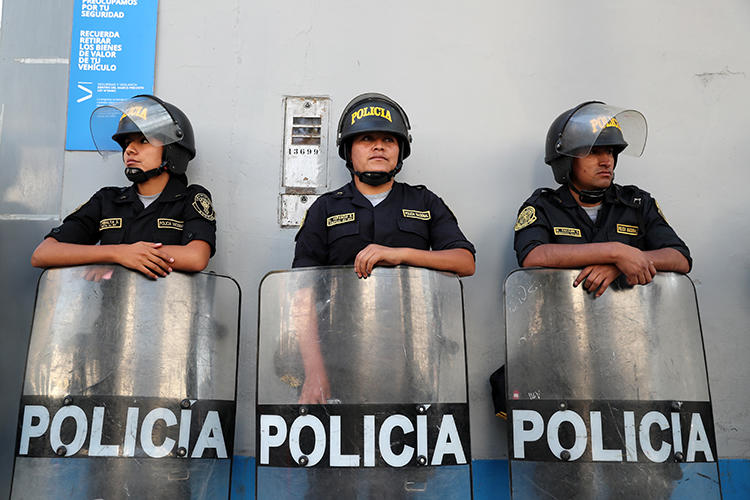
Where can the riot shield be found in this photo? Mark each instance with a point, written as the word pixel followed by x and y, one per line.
pixel 362 385
pixel 130 386
pixel 608 397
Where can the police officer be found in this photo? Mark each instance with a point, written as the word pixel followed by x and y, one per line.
pixel 156 225
pixel 375 220
pixel 590 222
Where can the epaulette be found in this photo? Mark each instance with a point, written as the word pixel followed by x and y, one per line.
pixel 630 195
pixel 544 193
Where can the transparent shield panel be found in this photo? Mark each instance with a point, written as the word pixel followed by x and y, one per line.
pixel 137 115
pixel 396 337
pixel 608 397
pixel 104 330
pixel 592 120
pixel 129 386
pixel 385 413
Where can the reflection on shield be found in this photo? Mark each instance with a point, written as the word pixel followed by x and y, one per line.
pixel 607 397
pixel 129 387
pixel 362 385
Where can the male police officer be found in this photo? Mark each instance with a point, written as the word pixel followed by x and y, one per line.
pixel 590 221
pixel 374 219
pixel 158 224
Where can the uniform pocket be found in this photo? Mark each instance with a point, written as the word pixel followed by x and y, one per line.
pixel 341 230
pixel 414 226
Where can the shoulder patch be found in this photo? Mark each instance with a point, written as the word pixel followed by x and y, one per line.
pixel 658 209
pixel 416 214
pixel 202 205
pixel 525 218
pixel 335 220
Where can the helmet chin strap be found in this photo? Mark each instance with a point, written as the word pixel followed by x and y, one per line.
pixel 138 176
pixel 588 195
pixel 374 178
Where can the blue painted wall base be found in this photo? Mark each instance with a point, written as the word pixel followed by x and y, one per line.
pixel 491 481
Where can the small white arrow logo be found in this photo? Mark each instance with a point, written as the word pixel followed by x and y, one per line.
pixel 85 89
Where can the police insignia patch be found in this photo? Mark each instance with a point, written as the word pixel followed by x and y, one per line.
pixel 202 205
pixel 525 218
pixel 658 209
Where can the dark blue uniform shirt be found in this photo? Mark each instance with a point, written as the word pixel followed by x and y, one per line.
pixel 342 222
pixel 628 215
pixel 116 215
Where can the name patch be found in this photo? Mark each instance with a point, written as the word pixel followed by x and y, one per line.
pixel 113 223
pixel 416 214
pixel 335 220
pixel 169 224
pixel 629 230
pixel 567 231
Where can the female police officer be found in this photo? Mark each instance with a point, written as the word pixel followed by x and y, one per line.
pixel 374 219
pixel 156 225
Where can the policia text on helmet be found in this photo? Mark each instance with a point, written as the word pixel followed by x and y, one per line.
pixel 592 127
pixel 373 113
pixel 159 122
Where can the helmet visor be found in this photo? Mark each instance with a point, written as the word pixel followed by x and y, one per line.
pixel 621 128
pixel 140 114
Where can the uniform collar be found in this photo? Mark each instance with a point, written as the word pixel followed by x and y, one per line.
pixel 174 190
pixel 565 196
pixel 358 199
pixel 611 195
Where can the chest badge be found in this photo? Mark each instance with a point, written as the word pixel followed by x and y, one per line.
pixel 113 223
pixel 335 220
pixel 525 218
pixel 629 230
pixel 170 224
pixel 567 231
pixel 202 205
pixel 416 214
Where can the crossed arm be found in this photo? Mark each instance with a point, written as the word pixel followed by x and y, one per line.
pixel 455 260
pixel 151 259
pixel 603 262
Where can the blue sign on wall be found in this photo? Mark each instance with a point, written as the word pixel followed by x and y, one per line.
pixel 112 55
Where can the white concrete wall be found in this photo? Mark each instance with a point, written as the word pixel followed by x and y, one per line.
pixel 481 82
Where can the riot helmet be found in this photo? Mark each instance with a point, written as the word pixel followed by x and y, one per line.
pixel 160 123
pixel 373 112
pixel 593 123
